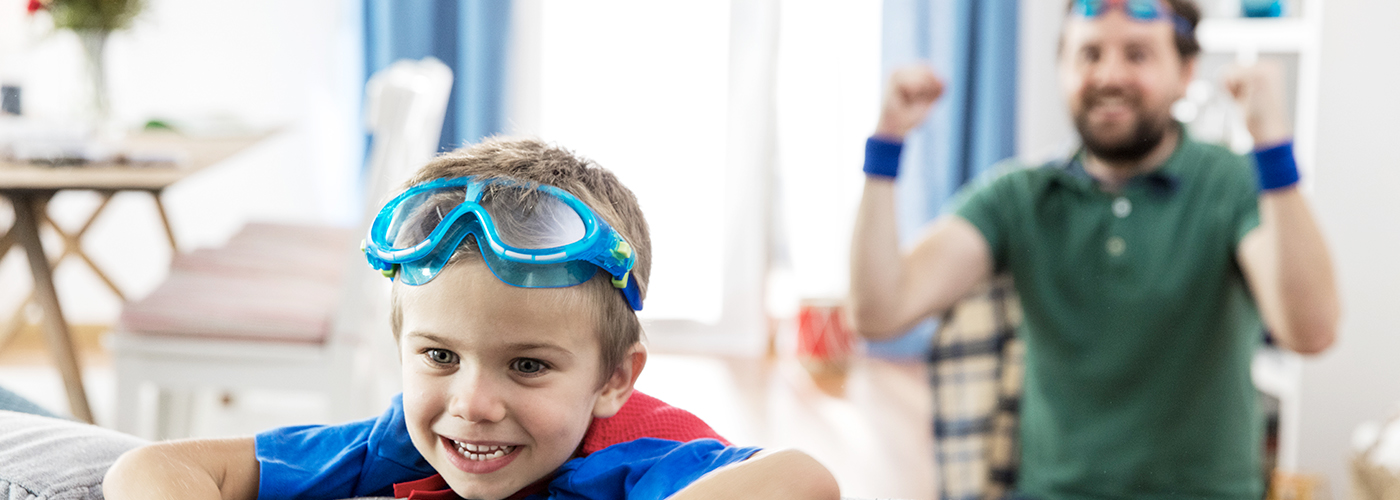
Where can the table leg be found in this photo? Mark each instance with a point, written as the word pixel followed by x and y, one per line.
pixel 7 240
pixel 17 318
pixel 73 243
pixel 169 233
pixel 56 331
pixel 17 321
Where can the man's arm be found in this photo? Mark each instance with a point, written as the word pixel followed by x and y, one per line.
pixel 785 474
pixel 891 290
pixel 1285 259
pixel 1290 273
pixel 189 469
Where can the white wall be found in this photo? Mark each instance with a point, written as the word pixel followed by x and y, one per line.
pixel 1355 186
pixel 1043 128
pixel 289 66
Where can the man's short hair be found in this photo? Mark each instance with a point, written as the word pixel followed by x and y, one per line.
pixel 1186 44
pixel 536 162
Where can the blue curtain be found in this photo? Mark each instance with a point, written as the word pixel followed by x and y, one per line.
pixel 972 45
pixel 470 36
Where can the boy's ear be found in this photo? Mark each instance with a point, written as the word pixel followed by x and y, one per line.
pixel 618 388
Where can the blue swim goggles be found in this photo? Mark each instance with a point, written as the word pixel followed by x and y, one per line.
pixel 1139 10
pixel 531 236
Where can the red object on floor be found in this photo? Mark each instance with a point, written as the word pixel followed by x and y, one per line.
pixel 822 334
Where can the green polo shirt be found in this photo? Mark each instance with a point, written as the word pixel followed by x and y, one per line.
pixel 1138 324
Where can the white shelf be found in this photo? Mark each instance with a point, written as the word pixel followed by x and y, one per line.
pixel 1279 373
pixel 1235 35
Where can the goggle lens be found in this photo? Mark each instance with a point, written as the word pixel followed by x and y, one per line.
pixel 529 218
pixel 418 215
pixel 523 218
pixel 1142 10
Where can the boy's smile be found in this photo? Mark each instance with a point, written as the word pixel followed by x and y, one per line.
pixel 500 383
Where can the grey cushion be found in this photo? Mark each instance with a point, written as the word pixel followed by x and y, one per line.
pixel 43 458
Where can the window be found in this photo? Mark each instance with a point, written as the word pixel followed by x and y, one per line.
pixel 700 107
pixel 641 87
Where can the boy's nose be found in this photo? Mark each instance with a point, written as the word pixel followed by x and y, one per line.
pixel 478 398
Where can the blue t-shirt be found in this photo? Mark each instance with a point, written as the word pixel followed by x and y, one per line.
pixel 644 469
pixel 366 458
pixel 357 459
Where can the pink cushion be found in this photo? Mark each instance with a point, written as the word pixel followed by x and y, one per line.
pixel 270 283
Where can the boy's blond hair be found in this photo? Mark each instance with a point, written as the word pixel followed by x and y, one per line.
pixel 533 161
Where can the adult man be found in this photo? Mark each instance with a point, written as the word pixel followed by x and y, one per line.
pixel 1140 262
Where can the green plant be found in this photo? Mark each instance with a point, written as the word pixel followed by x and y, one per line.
pixel 89 15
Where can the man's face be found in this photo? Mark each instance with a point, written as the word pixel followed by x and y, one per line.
pixel 1120 77
pixel 500 383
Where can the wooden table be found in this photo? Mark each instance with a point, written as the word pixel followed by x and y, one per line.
pixel 29 187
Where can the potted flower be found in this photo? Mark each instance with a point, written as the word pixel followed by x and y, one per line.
pixel 92 21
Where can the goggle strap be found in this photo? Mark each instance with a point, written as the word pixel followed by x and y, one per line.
pixel 623 281
pixel 632 294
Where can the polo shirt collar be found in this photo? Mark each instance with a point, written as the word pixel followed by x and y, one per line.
pixel 1163 180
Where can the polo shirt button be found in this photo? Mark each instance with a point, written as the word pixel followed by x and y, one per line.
pixel 1122 207
pixel 1116 246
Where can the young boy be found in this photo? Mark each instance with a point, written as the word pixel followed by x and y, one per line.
pixel 518 268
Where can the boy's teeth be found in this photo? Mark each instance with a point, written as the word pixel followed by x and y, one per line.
pixel 481 452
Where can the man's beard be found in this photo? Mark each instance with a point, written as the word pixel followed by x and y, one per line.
pixel 1148 130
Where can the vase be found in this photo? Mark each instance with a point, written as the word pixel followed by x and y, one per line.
pixel 94 43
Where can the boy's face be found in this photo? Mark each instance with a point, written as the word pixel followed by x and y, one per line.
pixel 500 383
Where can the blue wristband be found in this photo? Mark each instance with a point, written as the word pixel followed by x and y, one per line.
pixel 882 157
pixel 1276 166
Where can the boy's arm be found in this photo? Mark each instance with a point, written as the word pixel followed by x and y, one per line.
pixel 785 474
pixel 189 469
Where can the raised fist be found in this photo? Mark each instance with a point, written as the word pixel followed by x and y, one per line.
pixel 911 92
pixel 1258 90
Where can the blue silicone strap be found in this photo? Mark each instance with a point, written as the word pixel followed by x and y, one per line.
pixel 882 157
pixel 1276 166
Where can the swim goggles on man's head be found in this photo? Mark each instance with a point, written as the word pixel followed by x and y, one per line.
pixel 530 236
pixel 1140 10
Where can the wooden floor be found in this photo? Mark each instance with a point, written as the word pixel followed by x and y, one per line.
pixel 871 427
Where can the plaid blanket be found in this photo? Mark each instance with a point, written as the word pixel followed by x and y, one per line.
pixel 976 370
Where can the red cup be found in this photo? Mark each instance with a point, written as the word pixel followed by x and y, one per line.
pixel 824 338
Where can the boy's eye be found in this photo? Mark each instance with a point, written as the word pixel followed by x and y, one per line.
pixel 528 366
pixel 441 356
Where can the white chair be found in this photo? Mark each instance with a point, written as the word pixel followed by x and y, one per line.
pixel 282 307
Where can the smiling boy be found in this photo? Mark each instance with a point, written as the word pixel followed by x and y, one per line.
pixel 518 268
